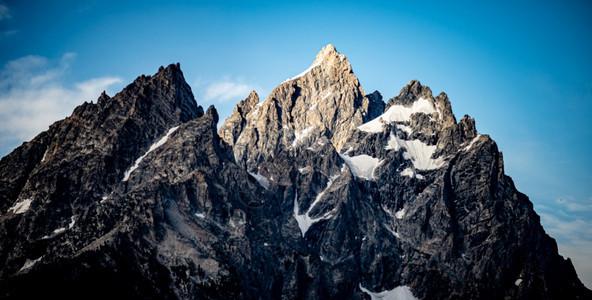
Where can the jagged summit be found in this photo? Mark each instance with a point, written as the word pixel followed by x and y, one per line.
pixel 234 124
pixel 326 100
pixel 329 49
pixel 317 192
pixel 328 61
pixel 415 97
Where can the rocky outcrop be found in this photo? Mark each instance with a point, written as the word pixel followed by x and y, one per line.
pixel 320 191
pixel 382 198
pixel 324 100
pixel 49 184
pixel 237 121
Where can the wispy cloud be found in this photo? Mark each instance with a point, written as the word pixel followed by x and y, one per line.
pixel 5 15
pixel 33 96
pixel 572 206
pixel 7 33
pixel 571 230
pixel 579 253
pixel 4 12
pixel 574 238
pixel 226 89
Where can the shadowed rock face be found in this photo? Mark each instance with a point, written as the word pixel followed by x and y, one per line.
pixel 319 191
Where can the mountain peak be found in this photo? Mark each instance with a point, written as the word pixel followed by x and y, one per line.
pixel 232 127
pixel 329 56
pixel 327 51
pixel 172 71
pixel 140 194
pixel 328 61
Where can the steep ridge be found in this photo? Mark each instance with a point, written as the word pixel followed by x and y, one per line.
pixel 320 191
pixel 48 184
pixel 237 121
pixel 457 219
pixel 408 200
pixel 324 100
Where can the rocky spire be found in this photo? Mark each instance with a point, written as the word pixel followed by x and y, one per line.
pixel 324 100
pixel 127 192
pixel 233 126
pixel 418 95
pixel 86 153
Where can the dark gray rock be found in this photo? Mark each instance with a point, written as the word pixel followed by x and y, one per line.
pixel 319 192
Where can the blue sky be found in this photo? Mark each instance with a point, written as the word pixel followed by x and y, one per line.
pixel 522 70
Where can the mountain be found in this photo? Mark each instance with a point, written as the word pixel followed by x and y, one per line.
pixel 319 191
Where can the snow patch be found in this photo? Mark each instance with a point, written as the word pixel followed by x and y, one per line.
pixel 396 234
pixel 261 179
pixel 63 229
pixel 518 281
pixel 44 155
pixel 398 113
pixel 313 107
pixel 400 214
pixel 29 264
pixel 475 139
pixel 327 95
pixel 349 150
pixel 399 293
pixel 315 64
pixel 405 128
pixel 362 166
pixel 417 151
pixel 410 173
pixel 59 230
pixel 200 215
pixel 154 146
pixel 373 126
pixel 305 221
pixel 300 135
pixel 21 207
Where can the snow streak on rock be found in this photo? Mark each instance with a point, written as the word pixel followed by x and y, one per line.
pixel 154 146
pixel 21 207
pixel 362 166
pixel 417 151
pixel 398 293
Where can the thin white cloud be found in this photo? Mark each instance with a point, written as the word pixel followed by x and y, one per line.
pixel 574 229
pixel 4 12
pixel 226 90
pixel 573 206
pixel 33 96
pixel 7 33
pixel 580 256
pixel 574 239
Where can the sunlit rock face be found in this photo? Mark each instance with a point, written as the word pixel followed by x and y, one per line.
pixel 318 191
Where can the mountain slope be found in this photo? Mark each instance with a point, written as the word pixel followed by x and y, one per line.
pixel 320 191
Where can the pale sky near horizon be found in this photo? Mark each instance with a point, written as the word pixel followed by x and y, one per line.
pixel 522 69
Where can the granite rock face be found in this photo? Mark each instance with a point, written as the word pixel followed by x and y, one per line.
pixel 319 191
pixel 234 125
